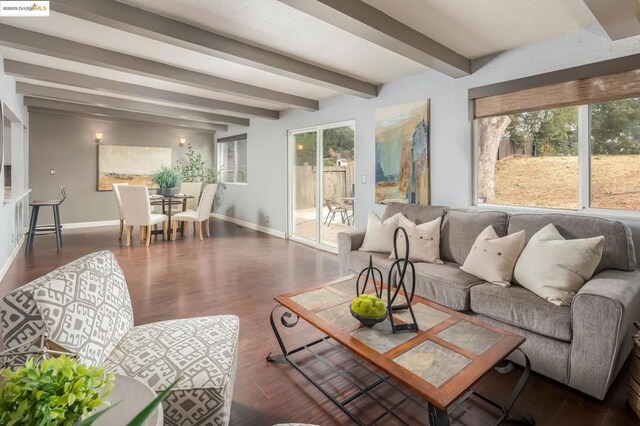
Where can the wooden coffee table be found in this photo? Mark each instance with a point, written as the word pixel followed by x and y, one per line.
pixel 438 364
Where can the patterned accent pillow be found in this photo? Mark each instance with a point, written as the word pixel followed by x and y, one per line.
pixel 87 309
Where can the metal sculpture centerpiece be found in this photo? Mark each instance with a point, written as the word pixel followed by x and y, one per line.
pixel 396 283
pixel 370 273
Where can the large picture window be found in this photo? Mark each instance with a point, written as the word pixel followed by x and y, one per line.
pixel 232 159
pixel 529 159
pixel 563 147
pixel 615 154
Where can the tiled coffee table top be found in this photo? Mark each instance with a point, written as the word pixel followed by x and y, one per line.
pixel 440 361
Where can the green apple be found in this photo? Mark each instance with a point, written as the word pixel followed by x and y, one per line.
pixel 368 305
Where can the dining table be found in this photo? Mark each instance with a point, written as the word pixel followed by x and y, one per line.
pixel 167 202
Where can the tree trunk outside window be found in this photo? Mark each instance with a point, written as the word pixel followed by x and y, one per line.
pixel 490 132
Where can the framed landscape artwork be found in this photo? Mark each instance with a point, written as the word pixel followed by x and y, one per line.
pixel 402 153
pixel 129 164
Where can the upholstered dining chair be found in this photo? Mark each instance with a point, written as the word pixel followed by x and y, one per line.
pixel 137 212
pixel 191 188
pixel 116 192
pixel 203 213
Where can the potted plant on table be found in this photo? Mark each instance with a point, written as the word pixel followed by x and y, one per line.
pixel 61 391
pixel 168 181
pixel 55 391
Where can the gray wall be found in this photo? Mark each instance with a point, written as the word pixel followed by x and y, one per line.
pixel 65 143
pixel 451 144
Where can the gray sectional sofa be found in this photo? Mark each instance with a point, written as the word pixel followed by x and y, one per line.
pixel 582 345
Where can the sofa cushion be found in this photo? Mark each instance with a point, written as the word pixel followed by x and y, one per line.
pixel 87 309
pixel 549 357
pixel 520 307
pixel 445 284
pixel 202 352
pixel 618 251
pixel 358 260
pixel 460 229
pixel 416 213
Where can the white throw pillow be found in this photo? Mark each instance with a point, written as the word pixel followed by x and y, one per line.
pixel 424 241
pixel 379 235
pixel 555 268
pixel 492 258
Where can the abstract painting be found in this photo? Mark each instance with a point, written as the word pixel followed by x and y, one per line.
pixel 130 164
pixel 402 153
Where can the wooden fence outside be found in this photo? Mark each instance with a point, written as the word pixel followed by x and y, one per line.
pixel 337 182
pixel 507 149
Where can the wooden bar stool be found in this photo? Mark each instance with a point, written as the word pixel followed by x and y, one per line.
pixel 35 229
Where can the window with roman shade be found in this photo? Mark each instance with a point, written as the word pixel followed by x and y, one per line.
pixel 571 145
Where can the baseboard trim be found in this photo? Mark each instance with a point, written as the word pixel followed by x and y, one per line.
pixel 79 225
pixel 250 225
pixel 12 257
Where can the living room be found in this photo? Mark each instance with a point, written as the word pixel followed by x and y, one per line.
pixel 306 127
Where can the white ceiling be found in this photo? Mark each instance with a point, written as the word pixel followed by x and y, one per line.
pixel 280 28
pixel 75 29
pixel 473 28
pixel 476 28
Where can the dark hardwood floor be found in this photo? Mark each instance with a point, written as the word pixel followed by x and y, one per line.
pixel 238 271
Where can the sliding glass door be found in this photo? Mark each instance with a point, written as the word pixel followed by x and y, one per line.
pixel 321 184
pixel 305 199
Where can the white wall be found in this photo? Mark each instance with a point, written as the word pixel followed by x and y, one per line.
pixel 451 146
pixel 12 213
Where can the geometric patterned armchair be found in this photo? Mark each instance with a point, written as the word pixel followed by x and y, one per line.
pixel 85 308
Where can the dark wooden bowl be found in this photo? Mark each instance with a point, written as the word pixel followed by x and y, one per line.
pixel 369 321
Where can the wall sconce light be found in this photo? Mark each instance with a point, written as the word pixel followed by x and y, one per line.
pixel 182 141
pixel 299 147
pixel 98 137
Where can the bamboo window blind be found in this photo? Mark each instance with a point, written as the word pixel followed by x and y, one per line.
pixel 578 92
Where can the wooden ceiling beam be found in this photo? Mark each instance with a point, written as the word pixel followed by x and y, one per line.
pixel 68 78
pixel 369 23
pixel 157 27
pixel 619 18
pixel 71 107
pixel 35 42
pixel 46 92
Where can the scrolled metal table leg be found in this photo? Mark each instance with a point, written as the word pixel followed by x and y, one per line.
pixel 515 393
pixel 283 320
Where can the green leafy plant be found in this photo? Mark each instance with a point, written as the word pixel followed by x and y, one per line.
pixel 142 416
pixel 167 177
pixel 196 170
pixel 368 305
pixel 55 391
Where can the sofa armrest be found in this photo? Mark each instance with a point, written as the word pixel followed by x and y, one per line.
pixel 602 316
pixel 347 242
